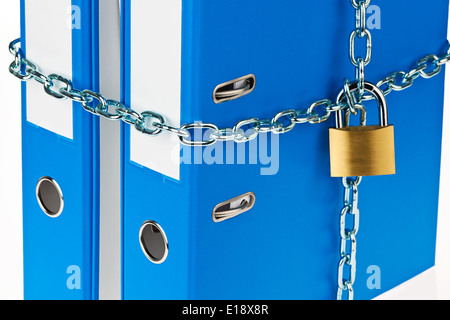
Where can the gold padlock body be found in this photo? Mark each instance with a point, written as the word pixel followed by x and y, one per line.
pixel 362 151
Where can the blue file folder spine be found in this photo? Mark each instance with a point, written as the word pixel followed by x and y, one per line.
pixel 54 247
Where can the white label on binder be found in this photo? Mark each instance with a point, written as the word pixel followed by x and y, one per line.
pixel 156 80
pixel 49 44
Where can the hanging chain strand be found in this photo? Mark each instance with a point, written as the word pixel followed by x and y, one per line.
pixel 153 124
pixel 351 186
pixel 348 257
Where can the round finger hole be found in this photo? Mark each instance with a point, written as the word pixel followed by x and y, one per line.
pixel 49 197
pixel 153 242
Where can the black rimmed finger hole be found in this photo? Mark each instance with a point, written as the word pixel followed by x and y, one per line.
pixel 153 242
pixel 49 197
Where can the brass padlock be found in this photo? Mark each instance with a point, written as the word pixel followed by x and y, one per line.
pixel 362 150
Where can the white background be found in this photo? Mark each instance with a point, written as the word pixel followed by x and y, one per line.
pixel 432 284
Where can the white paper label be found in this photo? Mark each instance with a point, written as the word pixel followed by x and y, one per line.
pixel 156 80
pixel 48 25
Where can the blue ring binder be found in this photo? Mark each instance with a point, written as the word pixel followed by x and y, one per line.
pixel 60 253
pixel 287 247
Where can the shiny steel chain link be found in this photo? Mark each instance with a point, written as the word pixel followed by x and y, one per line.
pixel 360 32
pixel 152 123
pixel 348 235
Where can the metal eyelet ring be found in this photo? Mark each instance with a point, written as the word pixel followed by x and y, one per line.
pixel 141 125
pixel 50 197
pixel 153 241
pixel 198 125
pixel 48 87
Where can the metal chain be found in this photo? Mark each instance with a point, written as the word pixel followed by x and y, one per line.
pixel 152 123
pixel 427 67
pixel 351 184
pixel 360 32
pixel 348 257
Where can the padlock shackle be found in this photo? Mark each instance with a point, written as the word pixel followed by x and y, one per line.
pixel 376 92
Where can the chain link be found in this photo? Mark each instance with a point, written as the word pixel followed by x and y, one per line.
pixel 360 63
pixel 348 257
pixel 153 124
